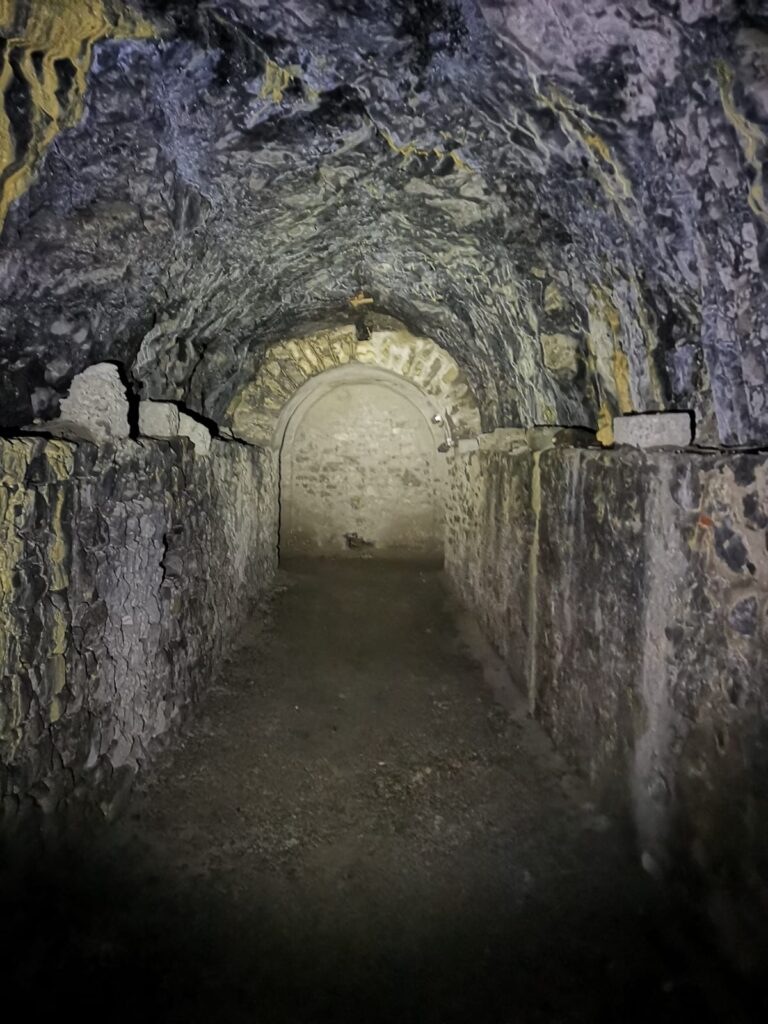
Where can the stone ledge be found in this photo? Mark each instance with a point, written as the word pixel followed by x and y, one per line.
pixel 95 409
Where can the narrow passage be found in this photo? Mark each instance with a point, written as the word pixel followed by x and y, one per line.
pixel 356 829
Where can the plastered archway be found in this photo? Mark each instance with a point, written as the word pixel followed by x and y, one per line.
pixel 361 468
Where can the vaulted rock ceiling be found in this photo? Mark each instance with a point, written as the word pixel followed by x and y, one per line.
pixel 567 195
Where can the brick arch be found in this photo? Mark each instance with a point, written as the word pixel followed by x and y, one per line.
pixel 254 415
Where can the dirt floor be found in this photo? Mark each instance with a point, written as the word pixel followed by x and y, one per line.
pixel 360 825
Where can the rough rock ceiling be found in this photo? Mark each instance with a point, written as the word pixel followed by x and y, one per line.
pixel 513 178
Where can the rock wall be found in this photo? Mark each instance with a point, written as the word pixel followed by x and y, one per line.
pixel 628 592
pixel 124 572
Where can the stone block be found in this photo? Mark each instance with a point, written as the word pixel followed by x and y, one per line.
pixel 96 408
pixel 158 419
pixel 197 432
pixel 654 430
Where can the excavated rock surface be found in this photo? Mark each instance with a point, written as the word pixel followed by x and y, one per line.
pixel 496 174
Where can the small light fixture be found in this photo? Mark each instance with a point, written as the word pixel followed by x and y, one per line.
pixel 437 418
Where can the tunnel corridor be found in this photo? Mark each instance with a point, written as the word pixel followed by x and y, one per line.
pixel 384 509
pixel 365 824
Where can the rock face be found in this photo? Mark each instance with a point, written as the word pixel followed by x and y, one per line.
pixel 569 198
pixel 109 616
pixel 627 591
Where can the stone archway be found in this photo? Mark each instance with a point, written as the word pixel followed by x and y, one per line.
pixel 361 427
pixel 361 470
pixel 254 415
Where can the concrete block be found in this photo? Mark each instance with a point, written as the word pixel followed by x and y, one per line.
pixel 96 408
pixel 654 430
pixel 197 432
pixel 158 419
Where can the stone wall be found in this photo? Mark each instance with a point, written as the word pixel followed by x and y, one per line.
pixel 124 573
pixel 489 524
pixel 360 477
pixel 628 592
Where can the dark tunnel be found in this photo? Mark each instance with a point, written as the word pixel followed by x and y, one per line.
pixel 384 510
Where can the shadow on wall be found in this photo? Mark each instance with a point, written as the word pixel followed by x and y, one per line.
pixel 101 926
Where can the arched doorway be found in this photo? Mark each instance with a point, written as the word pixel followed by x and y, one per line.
pixel 360 471
pixel 360 427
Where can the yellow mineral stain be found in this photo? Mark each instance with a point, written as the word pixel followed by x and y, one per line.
pixel 410 149
pixel 59 632
pixel 576 121
pixel 65 30
pixel 605 425
pixel 553 298
pixel 61 458
pixel 59 673
pixel 54 711
pixel 14 461
pixel 752 138
pixel 276 81
pixel 15 508
pixel 604 309
pixel 621 377
pixel 651 343
pixel 57 549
